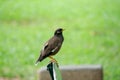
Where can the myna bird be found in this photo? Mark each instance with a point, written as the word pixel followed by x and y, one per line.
pixel 52 46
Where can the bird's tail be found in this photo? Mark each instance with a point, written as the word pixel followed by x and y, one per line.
pixel 39 60
pixel 36 63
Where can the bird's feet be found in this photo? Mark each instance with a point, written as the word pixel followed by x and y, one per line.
pixel 53 60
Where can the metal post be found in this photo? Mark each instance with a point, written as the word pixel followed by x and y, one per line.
pixel 54 71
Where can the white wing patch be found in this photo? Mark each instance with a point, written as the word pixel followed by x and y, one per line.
pixel 46 44
pixel 54 50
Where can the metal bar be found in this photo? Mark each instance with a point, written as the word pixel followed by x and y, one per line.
pixel 54 71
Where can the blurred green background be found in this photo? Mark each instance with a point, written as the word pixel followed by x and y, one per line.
pixel 92 35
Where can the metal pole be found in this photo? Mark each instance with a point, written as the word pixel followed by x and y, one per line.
pixel 54 71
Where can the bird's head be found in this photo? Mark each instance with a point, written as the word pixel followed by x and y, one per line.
pixel 58 31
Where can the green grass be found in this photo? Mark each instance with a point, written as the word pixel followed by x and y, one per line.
pixel 91 35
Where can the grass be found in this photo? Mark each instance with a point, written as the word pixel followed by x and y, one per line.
pixel 91 36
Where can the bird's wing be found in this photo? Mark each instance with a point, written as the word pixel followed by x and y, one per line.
pixel 56 47
pixel 43 52
pixel 50 47
pixel 44 47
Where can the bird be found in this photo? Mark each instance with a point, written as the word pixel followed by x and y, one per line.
pixel 52 46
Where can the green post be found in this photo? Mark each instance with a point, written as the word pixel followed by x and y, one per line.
pixel 54 71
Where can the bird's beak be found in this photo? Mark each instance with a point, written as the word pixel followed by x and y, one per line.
pixel 63 29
